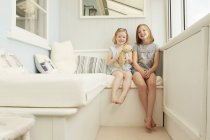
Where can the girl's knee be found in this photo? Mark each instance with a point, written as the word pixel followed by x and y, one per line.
pixel 128 76
pixel 119 74
pixel 152 84
pixel 136 77
pixel 141 86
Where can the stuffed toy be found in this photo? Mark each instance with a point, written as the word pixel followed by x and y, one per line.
pixel 122 55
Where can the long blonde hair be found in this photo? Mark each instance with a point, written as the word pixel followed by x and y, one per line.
pixel 120 30
pixel 150 37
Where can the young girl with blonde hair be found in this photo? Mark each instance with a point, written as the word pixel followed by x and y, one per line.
pixel 122 75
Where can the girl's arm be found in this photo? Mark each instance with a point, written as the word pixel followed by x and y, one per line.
pixel 156 62
pixel 136 65
pixel 110 59
pixel 154 66
pixel 130 58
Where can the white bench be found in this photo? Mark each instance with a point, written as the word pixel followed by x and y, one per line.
pixel 78 115
pixel 130 113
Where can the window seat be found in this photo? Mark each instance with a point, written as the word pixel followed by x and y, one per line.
pixel 87 95
pixel 50 90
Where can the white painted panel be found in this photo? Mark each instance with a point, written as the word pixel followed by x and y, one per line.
pixel 42 129
pixel 208 94
pixel 185 72
pixel 84 125
pixel 175 130
pixel 114 115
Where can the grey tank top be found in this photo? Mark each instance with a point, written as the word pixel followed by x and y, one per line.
pixel 145 54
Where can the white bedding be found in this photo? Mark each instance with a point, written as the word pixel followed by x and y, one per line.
pixel 50 90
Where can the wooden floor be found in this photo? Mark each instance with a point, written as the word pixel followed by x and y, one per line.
pixel 131 133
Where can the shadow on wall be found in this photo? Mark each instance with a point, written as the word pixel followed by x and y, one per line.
pixel 159 71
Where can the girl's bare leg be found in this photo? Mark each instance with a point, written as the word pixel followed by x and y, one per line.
pixel 125 87
pixel 151 82
pixel 116 84
pixel 142 89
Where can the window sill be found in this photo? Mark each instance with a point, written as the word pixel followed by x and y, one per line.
pixel 29 39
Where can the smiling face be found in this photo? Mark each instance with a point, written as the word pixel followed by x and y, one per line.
pixel 143 33
pixel 121 38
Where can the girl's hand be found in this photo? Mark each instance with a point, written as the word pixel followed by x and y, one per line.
pixel 128 58
pixel 147 74
pixel 143 72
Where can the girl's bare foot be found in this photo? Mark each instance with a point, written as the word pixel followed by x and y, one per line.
pixel 121 99
pixel 153 124
pixel 148 124
pixel 114 100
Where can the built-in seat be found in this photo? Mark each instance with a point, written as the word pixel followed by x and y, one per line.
pixel 50 90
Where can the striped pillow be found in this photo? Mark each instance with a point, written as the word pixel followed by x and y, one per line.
pixel 88 64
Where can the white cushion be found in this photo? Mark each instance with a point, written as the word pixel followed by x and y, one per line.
pixel 9 63
pixel 110 78
pixel 44 64
pixel 62 56
pixel 159 81
pixel 50 90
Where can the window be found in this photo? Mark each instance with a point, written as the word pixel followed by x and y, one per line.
pixel 195 10
pixel 176 18
pixel 30 22
pixel 184 13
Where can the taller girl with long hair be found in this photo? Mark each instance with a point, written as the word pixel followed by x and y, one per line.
pixel 145 63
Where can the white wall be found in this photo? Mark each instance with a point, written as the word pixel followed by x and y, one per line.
pixel 23 51
pixel 98 33
pixel 65 24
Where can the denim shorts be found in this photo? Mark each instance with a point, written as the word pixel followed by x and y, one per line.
pixel 133 70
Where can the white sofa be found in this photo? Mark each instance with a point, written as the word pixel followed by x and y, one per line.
pixel 73 106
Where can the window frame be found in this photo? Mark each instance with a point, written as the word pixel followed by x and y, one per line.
pixel 170 22
pixel 25 36
pixel 186 14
